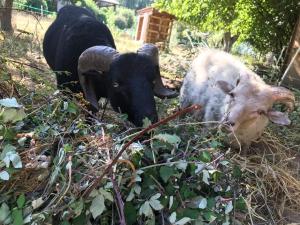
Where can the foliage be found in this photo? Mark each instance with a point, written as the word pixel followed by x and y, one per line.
pixel 121 19
pixel 193 186
pixel 37 4
pixel 120 22
pixel 124 19
pixel 90 4
pixel 267 25
pixel 135 4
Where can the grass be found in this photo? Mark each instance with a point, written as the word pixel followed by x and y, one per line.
pixel 58 131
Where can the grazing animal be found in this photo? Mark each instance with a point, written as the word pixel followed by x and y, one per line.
pixel 82 51
pixel 233 95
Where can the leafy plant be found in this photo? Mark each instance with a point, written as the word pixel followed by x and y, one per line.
pixel 266 25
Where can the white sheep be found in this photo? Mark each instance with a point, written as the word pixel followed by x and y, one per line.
pixel 233 95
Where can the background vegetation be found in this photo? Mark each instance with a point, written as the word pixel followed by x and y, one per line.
pixel 266 25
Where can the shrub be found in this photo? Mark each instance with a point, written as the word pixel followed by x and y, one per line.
pixel 120 22
pixel 128 15
pixel 37 4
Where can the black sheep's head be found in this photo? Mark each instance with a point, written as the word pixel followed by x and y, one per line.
pixel 132 80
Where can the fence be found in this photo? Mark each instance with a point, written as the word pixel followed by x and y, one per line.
pixel 40 10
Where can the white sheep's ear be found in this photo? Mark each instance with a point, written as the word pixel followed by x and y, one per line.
pixel 279 118
pixel 225 86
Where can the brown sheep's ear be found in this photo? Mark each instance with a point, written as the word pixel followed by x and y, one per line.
pixel 279 118
pixel 225 86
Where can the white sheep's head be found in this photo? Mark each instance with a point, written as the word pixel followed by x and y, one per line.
pixel 249 107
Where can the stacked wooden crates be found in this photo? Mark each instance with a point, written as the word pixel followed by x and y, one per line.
pixel 154 26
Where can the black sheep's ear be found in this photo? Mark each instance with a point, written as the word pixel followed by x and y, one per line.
pixel 160 90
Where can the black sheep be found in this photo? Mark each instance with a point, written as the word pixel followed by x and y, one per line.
pixel 82 51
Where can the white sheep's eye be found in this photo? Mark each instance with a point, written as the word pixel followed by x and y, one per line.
pixel 115 84
pixel 232 95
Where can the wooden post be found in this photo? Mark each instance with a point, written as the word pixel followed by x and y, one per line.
pixel 169 33
pixel 144 31
pixel 138 28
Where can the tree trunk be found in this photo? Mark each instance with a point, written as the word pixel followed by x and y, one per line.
pixel 6 15
pixel 228 41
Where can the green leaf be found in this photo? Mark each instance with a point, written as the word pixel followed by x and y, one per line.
pixel 172 217
pixel 202 203
pixel 182 165
pixel 9 154
pixel 211 202
pixel 240 204
pixel 130 196
pixel 205 176
pixel 150 221
pixel 156 196
pixel 12 115
pixel 21 201
pixel 171 200
pixel 237 173
pixel 215 144
pixel 205 156
pixel 4 175
pixel 4 212
pixel 16 160
pixel 166 172
pixel 97 207
pixel 224 162
pixel 65 222
pixel 17 216
pixel 183 221
pixel 107 195
pixel 80 220
pixel 137 189
pixel 229 207
pixel 72 108
pixel 209 216
pixel 10 103
pixel 168 138
pixel 77 206
pixel 200 167
pixel 190 213
pixel 67 148
pixel 146 209
pixel 146 122
pixel 7 148
pixel 28 219
pixel 21 141
pixel 155 204
pixel 130 213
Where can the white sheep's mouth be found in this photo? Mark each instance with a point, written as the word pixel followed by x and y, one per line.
pixel 229 128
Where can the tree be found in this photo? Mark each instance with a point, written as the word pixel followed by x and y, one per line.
pixel 266 24
pixel 136 4
pixel 6 14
